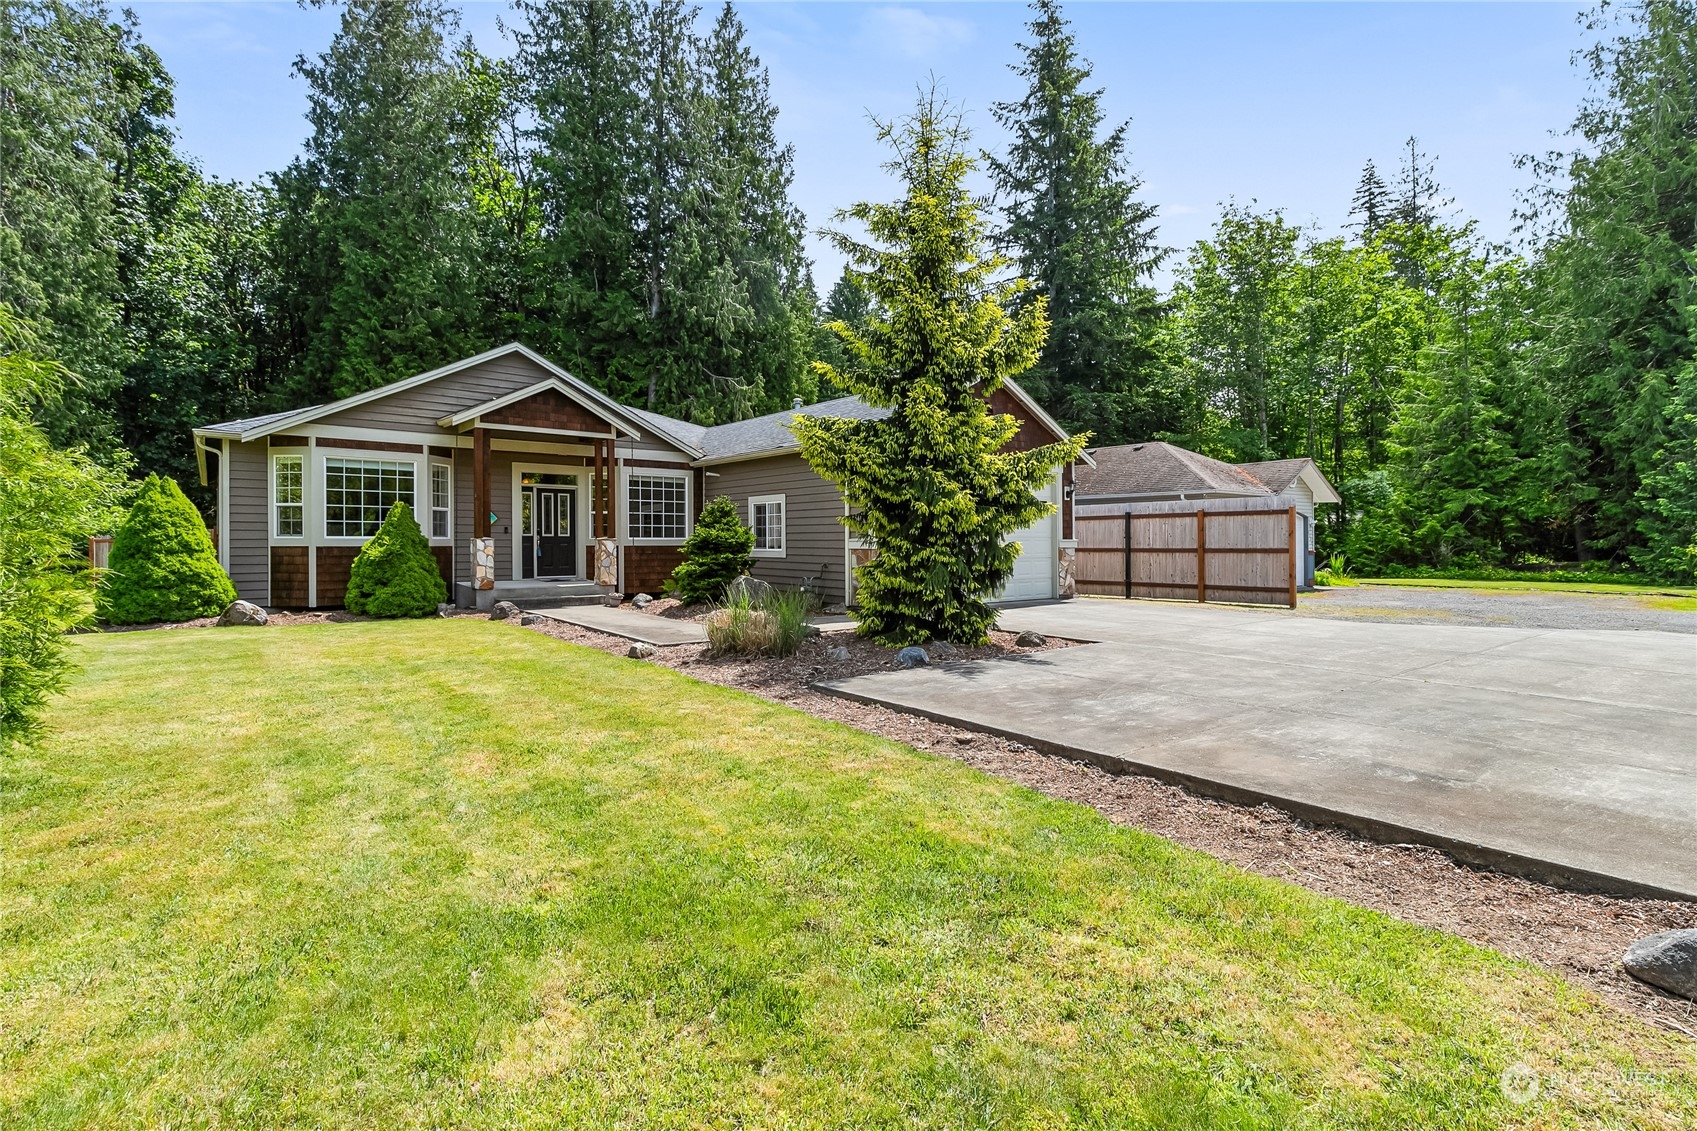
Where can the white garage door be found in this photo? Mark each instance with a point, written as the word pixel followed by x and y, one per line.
pixel 1034 573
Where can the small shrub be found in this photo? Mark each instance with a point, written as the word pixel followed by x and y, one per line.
pixel 395 574
pixel 715 554
pixel 775 626
pixel 162 565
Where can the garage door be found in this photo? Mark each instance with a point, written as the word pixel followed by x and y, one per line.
pixel 1034 573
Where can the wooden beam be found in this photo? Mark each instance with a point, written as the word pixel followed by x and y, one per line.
pixel 1202 556
pixel 1290 538
pixel 612 490
pixel 1128 556
pixel 480 482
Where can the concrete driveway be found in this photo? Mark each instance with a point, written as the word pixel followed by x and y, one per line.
pixel 1568 755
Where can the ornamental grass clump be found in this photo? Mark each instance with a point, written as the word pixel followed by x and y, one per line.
pixel 162 566
pixel 775 625
pixel 395 574
pixel 714 555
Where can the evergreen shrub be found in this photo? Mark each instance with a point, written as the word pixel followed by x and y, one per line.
pixel 395 574
pixel 162 566
pixel 715 554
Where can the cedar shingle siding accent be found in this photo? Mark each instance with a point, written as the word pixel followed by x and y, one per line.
pixel 646 567
pixel 335 564
pixel 813 536
pixel 289 577
pixel 250 520
pixel 548 409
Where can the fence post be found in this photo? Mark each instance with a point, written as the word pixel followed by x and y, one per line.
pixel 1128 555
pixel 1201 556
pixel 1290 541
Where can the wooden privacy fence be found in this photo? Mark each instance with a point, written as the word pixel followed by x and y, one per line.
pixel 1247 557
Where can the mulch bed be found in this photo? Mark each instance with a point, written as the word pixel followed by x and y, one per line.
pixel 1580 936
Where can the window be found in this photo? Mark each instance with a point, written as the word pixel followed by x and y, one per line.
pixel 441 499
pixel 359 492
pixel 659 507
pixel 766 515
pixel 287 477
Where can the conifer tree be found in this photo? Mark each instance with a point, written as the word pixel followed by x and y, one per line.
pixel 930 485
pixel 395 574
pixel 1074 226
pixel 162 566
pixel 715 554
pixel 1371 202
pixel 375 241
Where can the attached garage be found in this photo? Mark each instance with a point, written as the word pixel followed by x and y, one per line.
pixel 1034 574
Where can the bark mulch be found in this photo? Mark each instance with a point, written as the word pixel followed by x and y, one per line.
pixel 1578 935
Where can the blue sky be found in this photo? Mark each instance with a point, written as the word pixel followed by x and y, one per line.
pixel 1276 103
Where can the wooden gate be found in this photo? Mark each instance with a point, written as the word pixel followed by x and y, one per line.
pixel 1247 557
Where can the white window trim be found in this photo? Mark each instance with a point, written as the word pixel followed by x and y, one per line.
pixel 629 525
pixel 306 520
pixel 328 539
pixel 430 492
pixel 783 527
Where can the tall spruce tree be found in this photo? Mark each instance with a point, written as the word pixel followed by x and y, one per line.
pixel 931 485
pixel 375 240
pixel 1616 285
pixel 1371 202
pixel 1073 224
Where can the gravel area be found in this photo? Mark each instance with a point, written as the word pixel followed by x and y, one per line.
pixel 1494 607
pixel 1580 936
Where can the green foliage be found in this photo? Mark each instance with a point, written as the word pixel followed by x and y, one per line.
pixel 395 574
pixel 1669 523
pixel 773 626
pixel 715 554
pixel 1601 576
pixel 50 501
pixel 1075 228
pixel 163 566
pixel 930 485
pixel 1375 534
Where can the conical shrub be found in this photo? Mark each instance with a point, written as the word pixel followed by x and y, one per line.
pixel 395 574
pixel 162 566
pixel 715 554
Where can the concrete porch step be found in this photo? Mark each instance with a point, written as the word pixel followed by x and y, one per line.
pixel 531 594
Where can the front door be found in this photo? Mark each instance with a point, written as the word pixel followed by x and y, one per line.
pixel 549 539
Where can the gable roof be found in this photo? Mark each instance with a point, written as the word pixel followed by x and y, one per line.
pixel 258 427
pixel 1156 468
pixel 1278 474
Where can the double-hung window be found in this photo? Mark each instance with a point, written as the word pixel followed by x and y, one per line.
pixel 359 492
pixel 659 507
pixel 441 498
pixel 766 516
pixel 288 477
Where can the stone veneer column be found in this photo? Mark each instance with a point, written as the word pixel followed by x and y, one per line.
pixel 607 563
pixel 1068 582
pixel 483 571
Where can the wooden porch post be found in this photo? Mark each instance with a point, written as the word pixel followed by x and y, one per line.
pixel 612 530
pixel 480 482
pixel 595 495
pixel 1202 556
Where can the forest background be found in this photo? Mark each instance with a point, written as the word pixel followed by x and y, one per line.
pixel 613 191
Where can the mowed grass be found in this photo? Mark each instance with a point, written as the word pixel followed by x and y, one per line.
pixel 1646 590
pixel 457 874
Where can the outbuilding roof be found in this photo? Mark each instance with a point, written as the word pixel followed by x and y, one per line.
pixel 1157 468
pixel 1276 474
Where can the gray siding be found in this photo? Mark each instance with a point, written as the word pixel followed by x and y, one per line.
pixel 418 409
pixel 249 521
pixel 465 515
pixel 813 507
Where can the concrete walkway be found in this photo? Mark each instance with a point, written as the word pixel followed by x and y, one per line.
pixel 629 624
pixel 1567 755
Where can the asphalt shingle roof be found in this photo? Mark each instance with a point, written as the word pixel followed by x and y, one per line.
pixel 251 422
pixel 771 433
pixel 1157 468
pixel 1276 474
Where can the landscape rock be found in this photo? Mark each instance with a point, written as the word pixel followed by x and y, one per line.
pixel 836 653
pixel 641 651
pixel 943 650
pixel 642 600
pixel 530 618
pixel 1668 960
pixel 752 589
pixel 1029 639
pixel 242 613
pixel 503 610
pixel 912 657
pixel 444 609
pixel 812 630
pixel 613 600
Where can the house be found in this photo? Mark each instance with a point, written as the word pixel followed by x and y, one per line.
pixel 1134 478
pixel 529 483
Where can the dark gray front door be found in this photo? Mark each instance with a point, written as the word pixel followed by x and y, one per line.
pixel 550 541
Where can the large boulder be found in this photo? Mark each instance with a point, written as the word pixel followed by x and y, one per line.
pixel 912 657
pixel 641 651
pixel 746 588
pixel 641 601
pixel 242 613
pixel 1029 639
pixel 503 610
pixel 1668 960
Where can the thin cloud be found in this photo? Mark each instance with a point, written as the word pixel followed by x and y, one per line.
pixel 914 34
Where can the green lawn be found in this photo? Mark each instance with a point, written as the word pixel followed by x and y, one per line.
pixel 1646 590
pixel 457 874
